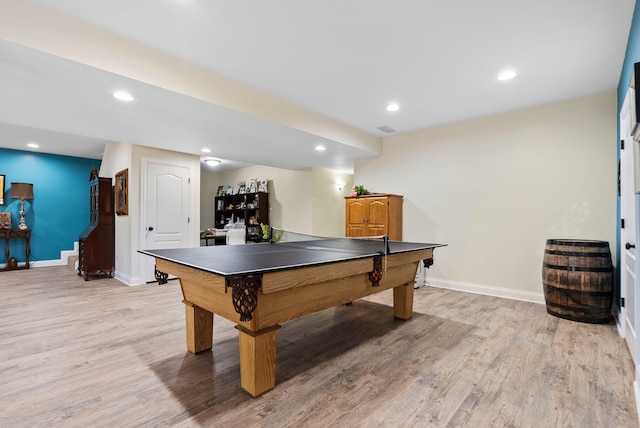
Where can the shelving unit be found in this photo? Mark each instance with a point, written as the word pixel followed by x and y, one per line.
pixel 251 209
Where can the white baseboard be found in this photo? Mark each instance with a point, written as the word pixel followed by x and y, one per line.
pixel 38 264
pixel 131 281
pixel 526 296
pixel 617 316
pixel 64 258
pixel 47 263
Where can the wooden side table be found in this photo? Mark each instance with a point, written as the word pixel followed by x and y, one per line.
pixel 8 235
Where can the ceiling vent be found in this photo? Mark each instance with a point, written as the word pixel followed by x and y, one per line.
pixel 385 128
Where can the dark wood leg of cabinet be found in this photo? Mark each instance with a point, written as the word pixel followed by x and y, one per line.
pixel 80 257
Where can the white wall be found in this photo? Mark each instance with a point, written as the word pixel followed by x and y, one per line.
pixel 304 201
pixel 328 204
pixel 494 189
pixel 118 156
pixel 209 182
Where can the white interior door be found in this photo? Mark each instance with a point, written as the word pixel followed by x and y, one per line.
pixel 165 223
pixel 628 232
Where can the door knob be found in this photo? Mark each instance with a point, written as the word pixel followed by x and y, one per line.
pixel 629 245
pixel 150 228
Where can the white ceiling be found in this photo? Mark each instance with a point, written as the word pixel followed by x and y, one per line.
pixel 343 59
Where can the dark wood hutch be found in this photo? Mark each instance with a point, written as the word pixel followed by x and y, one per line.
pixel 97 241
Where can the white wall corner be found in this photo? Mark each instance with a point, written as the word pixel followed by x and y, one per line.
pixel 131 281
pixel 619 317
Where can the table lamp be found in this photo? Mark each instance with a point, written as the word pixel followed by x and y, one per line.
pixel 21 191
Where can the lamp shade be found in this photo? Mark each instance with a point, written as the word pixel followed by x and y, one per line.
pixel 21 191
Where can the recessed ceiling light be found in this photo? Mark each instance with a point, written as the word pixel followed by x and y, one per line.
pixel 123 96
pixel 393 107
pixel 205 150
pixel 33 145
pixel 320 148
pixel 212 162
pixel 507 75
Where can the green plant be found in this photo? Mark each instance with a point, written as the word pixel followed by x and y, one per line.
pixel 361 190
pixel 269 234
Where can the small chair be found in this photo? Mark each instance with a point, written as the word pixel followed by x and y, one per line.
pixel 236 236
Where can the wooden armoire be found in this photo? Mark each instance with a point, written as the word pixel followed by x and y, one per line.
pixel 97 241
pixel 374 215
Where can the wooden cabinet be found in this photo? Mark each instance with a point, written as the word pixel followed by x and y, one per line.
pixel 251 209
pixel 374 215
pixel 97 241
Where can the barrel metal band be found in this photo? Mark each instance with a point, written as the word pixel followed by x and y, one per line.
pixel 577 243
pixel 580 268
pixel 576 253
pixel 578 292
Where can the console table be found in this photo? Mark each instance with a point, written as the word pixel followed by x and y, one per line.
pixel 8 235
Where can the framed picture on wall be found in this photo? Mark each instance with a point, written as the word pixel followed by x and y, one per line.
pixel 2 189
pixel 122 192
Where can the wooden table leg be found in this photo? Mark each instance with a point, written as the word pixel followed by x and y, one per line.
pixel 27 250
pixel 403 301
pixel 199 328
pixel 6 250
pixel 258 359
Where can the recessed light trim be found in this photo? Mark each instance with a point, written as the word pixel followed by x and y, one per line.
pixel 507 75
pixel 212 162
pixel 205 150
pixel 393 107
pixel 320 148
pixel 33 145
pixel 122 96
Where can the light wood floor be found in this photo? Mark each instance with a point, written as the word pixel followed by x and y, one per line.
pixel 101 354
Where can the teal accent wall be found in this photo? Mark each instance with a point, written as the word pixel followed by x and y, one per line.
pixel 632 55
pixel 59 211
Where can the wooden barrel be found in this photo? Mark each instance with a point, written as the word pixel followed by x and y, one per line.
pixel 578 280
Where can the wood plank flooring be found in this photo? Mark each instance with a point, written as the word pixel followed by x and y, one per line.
pixel 101 354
